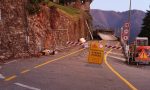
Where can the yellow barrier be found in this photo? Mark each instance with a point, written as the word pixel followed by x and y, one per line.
pixel 96 52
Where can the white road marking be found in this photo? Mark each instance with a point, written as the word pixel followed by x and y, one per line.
pixel 123 59
pixel 26 86
pixel 11 62
pixel 1 76
pixel 120 54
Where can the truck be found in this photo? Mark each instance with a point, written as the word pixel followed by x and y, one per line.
pixel 137 52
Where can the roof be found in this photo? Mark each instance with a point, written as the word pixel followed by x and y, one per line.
pixel 142 38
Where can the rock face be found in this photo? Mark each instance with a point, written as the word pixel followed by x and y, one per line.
pixel 12 28
pixel 24 35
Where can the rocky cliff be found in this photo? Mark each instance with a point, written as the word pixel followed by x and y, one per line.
pixel 24 35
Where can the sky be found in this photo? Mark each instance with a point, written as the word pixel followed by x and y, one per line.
pixel 120 5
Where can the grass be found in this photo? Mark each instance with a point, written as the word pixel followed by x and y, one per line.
pixel 67 9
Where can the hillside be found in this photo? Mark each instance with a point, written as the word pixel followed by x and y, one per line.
pixel 112 19
pixel 28 28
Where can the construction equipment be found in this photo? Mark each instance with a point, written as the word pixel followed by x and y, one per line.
pixel 138 52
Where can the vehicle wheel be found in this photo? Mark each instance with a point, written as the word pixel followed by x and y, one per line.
pixel 129 61
pixel 137 64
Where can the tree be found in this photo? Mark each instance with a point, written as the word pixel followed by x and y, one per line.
pixel 146 27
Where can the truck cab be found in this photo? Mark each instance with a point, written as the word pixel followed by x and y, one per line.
pixel 141 41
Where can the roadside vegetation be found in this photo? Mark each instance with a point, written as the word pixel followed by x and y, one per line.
pixel 146 26
pixel 33 7
pixel 67 9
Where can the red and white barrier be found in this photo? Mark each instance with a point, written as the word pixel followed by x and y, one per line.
pixel 113 47
pixel 73 43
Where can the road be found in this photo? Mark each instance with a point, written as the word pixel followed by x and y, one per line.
pixel 70 70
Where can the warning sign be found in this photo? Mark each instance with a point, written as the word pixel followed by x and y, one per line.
pixel 96 53
pixel 143 54
pixel 96 45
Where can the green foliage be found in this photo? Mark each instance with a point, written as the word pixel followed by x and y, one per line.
pixel 35 1
pixel 63 2
pixel 67 9
pixel 33 9
pixel 33 6
pixel 146 27
pixel 45 1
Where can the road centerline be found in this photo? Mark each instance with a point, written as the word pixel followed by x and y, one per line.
pixel 117 73
pixel 25 71
pixel 45 63
pixel 10 78
pixel 40 65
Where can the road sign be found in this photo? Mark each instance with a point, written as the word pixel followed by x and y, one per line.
pixel 143 54
pixel 96 53
pixel 126 25
pixel 125 38
pixel 125 33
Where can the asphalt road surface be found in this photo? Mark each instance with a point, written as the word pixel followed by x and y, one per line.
pixel 70 70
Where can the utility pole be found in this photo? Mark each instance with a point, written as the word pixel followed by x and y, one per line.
pixel 129 20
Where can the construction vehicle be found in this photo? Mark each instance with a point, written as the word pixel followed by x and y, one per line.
pixel 138 52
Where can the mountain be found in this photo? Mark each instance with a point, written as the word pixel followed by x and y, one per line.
pixel 115 20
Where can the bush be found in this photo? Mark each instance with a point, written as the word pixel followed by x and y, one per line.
pixel 45 1
pixel 35 1
pixel 33 6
